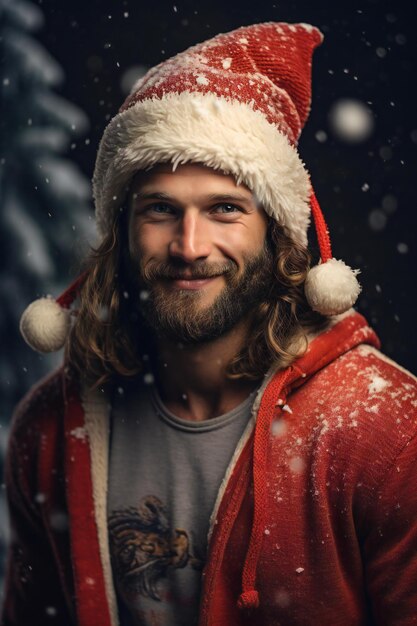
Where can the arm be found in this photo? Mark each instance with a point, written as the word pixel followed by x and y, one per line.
pixel 34 589
pixel 390 549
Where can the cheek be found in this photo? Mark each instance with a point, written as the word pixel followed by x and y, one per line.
pixel 241 241
pixel 146 241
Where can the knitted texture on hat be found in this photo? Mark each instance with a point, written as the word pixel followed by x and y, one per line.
pixel 237 103
pixel 267 64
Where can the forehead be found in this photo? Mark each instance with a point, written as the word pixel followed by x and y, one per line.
pixel 163 174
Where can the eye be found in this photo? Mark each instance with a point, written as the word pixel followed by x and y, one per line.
pixel 158 211
pixel 227 209
pixel 160 208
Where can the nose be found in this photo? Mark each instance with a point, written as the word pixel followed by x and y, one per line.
pixel 191 240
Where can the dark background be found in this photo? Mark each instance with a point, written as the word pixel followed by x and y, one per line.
pixel 368 54
pixel 367 189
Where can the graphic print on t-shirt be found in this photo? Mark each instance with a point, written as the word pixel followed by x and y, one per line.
pixel 144 547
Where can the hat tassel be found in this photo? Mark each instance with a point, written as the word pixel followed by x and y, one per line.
pixel 331 287
pixel 45 323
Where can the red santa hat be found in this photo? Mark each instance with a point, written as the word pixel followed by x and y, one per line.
pixel 237 103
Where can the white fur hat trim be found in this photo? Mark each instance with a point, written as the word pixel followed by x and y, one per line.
pixel 332 288
pixel 45 325
pixel 223 134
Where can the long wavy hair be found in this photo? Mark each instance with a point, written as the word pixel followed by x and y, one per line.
pixel 108 340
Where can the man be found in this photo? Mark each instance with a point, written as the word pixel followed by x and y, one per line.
pixel 225 444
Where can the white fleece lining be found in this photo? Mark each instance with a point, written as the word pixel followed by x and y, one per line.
pixel 202 128
pixel 97 423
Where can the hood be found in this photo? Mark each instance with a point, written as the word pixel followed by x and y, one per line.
pixel 345 333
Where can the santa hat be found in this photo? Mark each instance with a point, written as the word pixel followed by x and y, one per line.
pixel 237 103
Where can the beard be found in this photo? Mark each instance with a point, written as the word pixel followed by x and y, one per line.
pixel 178 314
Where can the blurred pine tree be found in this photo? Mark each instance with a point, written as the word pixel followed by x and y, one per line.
pixel 45 200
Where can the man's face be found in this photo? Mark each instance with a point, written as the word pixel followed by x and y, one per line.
pixel 198 250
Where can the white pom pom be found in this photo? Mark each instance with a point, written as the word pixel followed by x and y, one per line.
pixel 332 287
pixel 45 325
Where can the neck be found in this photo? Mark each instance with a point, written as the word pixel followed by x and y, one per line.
pixel 192 379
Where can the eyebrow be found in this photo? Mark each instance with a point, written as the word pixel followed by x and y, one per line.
pixel 213 197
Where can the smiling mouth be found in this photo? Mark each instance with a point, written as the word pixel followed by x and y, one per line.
pixel 192 282
pixel 190 276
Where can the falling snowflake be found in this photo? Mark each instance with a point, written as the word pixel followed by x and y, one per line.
pixel 351 120
pixel 402 247
pixel 377 220
pixel 79 433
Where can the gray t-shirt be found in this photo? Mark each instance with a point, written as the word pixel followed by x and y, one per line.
pixel 164 476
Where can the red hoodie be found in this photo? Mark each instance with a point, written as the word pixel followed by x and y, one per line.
pixel 315 523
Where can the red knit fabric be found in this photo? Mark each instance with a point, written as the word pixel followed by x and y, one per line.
pixel 340 545
pixel 88 573
pixel 248 600
pixel 267 66
pixel 273 395
pixel 322 231
pixel 70 294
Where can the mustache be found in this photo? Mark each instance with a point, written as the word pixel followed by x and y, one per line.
pixel 192 271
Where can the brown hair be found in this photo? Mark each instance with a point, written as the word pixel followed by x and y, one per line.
pixel 105 339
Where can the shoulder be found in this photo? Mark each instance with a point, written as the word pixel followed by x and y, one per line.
pixel 34 425
pixel 364 356
pixel 364 378
pixel 43 404
pixel 361 408
pixel 46 395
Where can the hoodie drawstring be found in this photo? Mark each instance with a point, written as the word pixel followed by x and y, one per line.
pixel 249 598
